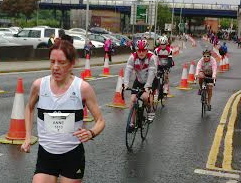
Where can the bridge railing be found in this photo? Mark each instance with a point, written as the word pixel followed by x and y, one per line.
pixel 60 1
pixel 170 4
pixel 130 2
pixel 204 6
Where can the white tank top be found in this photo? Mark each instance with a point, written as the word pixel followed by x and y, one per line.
pixel 69 102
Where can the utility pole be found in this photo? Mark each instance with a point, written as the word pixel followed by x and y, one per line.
pixel 87 20
pixel 156 10
pixel 172 17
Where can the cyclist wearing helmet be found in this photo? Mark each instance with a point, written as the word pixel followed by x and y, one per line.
pixel 206 67
pixel 143 62
pixel 164 53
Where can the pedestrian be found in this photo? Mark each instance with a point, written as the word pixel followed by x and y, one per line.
pixel 51 41
pixel 60 98
pixel 88 47
pixel 108 48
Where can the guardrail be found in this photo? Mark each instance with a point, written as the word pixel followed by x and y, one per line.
pixel 131 2
pixel 26 53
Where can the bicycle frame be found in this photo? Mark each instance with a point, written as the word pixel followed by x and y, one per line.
pixel 161 74
pixel 137 117
pixel 204 95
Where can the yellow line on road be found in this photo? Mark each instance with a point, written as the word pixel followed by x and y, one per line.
pixel 228 142
pixel 212 157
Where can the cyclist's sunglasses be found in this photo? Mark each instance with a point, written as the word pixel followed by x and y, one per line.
pixel 141 50
pixel 206 56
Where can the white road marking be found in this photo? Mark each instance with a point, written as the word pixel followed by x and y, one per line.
pixel 1 154
pixel 217 174
pixel 232 181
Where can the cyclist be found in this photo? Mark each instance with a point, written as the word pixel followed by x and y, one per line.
pixel 165 61
pixel 207 67
pixel 223 50
pixel 143 62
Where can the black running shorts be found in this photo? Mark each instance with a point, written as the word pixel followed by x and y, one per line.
pixel 70 164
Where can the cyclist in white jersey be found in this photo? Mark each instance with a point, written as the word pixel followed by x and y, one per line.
pixel 143 63
pixel 60 99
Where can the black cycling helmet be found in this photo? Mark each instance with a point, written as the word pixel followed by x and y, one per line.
pixel 207 52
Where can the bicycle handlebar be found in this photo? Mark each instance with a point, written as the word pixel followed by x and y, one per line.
pixel 214 80
pixel 138 90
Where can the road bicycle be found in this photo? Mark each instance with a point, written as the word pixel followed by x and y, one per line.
pixel 137 118
pixel 159 92
pixel 204 94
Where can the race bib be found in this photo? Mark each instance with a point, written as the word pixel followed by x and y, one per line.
pixel 59 122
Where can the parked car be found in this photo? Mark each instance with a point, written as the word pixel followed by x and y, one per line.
pixel 99 30
pixel 120 36
pixel 5 42
pixel 38 37
pixel 77 31
pixel 80 40
pixel 7 31
pixel 103 37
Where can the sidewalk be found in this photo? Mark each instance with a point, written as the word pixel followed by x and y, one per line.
pixel 23 66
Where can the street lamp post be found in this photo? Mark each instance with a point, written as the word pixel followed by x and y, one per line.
pixel 172 16
pixel 37 12
pixel 87 19
pixel 156 10
pixel 180 19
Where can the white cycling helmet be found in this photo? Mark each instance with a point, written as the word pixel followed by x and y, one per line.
pixel 163 40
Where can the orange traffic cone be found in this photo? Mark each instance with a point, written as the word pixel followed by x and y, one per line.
pixel 87 117
pixel 17 124
pixel 191 73
pixel 106 70
pixel 183 83
pixel 221 67
pixel 17 132
pixel 82 75
pixel 117 99
pixel 88 74
pixel 227 63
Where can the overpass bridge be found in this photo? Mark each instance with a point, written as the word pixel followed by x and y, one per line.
pixel 187 9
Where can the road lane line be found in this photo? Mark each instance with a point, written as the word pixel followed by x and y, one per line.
pixel 232 181
pixel 228 142
pixel 1 154
pixel 212 157
pixel 217 174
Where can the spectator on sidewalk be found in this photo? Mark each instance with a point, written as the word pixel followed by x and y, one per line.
pixel 108 46
pixel 51 41
pixel 88 47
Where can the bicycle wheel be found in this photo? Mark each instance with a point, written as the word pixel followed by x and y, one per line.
pixel 131 133
pixel 144 123
pixel 155 99
pixel 203 100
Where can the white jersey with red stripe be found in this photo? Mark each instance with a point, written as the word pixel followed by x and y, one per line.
pixel 145 69
pixel 163 55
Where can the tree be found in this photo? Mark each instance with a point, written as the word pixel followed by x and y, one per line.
pixel 164 15
pixel 16 7
pixel 10 7
pixel 28 7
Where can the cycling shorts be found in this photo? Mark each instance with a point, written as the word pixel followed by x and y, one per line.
pixel 137 84
pixel 70 164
